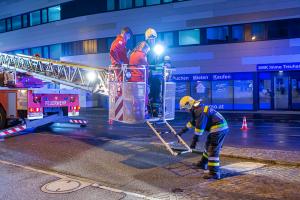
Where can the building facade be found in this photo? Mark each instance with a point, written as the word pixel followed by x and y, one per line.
pixel 233 54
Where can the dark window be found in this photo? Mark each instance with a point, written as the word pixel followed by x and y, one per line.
pixel 8 24
pixel 217 35
pixel 16 22
pixel 189 37
pixel 139 38
pixel 152 2
pixel 55 51
pixel 258 31
pixel 125 4
pixel 35 18
pixel 102 46
pixel 44 16
pixel 278 29
pixel 110 5
pixel 294 28
pixel 238 33
pixel 139 3
pixel 2 26
pixel 109 41
pixel 25 20
pixel 54 13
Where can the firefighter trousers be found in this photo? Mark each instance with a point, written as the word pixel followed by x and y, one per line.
pixel 212 150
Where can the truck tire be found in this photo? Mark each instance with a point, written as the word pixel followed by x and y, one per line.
pixel 2 118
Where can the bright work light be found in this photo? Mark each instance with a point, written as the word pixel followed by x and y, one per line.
pixel 91 76
pixel 159 49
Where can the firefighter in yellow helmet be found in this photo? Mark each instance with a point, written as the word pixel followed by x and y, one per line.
pixel 205 118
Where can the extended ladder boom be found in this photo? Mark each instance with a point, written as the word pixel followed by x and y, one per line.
pixel 74 75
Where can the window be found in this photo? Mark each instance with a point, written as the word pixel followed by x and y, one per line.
pixel 109 41
pixel 168 39
pixel 36 51
pixel 238 33
pixel 45 52
pixel 16 22
pixel 25 20
pixel 278 29
pixel 2 26
pixel 217 35
pixel 35 18
pixel 167 1
pixel 124 4
pixel 8 24
pixel 182 89
pixel 55 51
pixel 44 16
pixel 189 37
pixel 243 94
pixel 102 46
pixel 152 2
pixel 26 51
pixel 54 13
pixel 139 38
pixel 265 91
pixel 294 28
pixel 201 90
pixel 110 5
pixel 222 95
pixel 139 3
pixel 258 31
pixel 89 46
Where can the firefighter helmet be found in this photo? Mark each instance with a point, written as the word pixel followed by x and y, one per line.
pixel 150 34
pixel 186 102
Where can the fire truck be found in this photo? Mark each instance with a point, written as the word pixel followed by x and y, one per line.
pixel 127 99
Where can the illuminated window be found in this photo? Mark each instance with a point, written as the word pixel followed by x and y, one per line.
pixel 217 34
pixel 258 31
pixel 54 13
pixel 110 5
pixel 55 51
pixel 35 18
pixel 238 33
pixel 189 37
pixel 124 4
pixel 139 3
pixel 89 46
pixel 152 2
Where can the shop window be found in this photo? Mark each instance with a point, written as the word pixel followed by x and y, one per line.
pixel 16 22
pixel 55 51
pixel 265 91
pixel 139 3
pixel 110 5
pixel 90 46
pixel 54 13
pixel 182 89
pixel 2 26
pixel 152 2
pixel 8 24
pixel 296 93
pixel 201 90
pixel 217 35
pixel 35 18
pixel 257 31
pixel 125 4
pixel 278 29
pixel 238 33
pixel 189 37
pixel 25 20
pixel 243 94
pixel 222 95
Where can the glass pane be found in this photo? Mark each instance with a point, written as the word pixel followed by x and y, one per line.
pixel 110 5
pixel 109 41
pixel 296 93
pixel 8 24
pixel 25 20
pixel 222 95
pixel 90 46
pixel 217 34
pixel 201 90
pixel 102 46
pixel 278 29
pixel 2 26
pixel 258 31
pixel 167 1
pixel 281 85
pixel 189 37
pixel 124 4
pixel 243 94
pixel 152 2
pixel 16 22
pixel 45 52
pixel 294 28
pixel 168 39
pixel 26 51
pixel 139 38
pixel 55 51
pixel 265 92
pixel 44 16
pixel 182 89
pixel 37 51
pixel 139 3
pixel 35 18
pixel 54 13
pixel 238 33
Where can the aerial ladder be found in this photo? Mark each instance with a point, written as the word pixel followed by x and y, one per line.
pixel 127 99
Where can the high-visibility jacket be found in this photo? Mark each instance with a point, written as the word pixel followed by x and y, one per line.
pixel 205 118
pixel 137 60
pixel 118 51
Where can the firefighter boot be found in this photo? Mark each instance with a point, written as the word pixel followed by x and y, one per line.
pixel 212 175
pixel 200 165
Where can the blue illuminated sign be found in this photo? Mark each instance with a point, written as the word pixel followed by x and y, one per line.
pixel 278 67
pixel 201 77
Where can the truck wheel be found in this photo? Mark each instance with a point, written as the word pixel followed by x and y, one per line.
pixel 2 118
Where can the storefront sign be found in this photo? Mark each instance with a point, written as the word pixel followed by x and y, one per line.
pixel 278 67
pixel 201 77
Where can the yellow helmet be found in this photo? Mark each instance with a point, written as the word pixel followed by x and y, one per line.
pixel 186 102
pixel 150 34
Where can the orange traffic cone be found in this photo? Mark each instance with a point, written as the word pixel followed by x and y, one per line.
pixel 244 126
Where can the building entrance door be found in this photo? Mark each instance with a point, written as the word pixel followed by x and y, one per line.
pixel 281 93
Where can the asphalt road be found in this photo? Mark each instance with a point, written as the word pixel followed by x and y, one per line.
pixel 126 162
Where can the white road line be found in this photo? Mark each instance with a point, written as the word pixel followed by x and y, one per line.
pixel 92 182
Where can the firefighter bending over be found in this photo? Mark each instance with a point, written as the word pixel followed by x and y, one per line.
pixel 205 118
